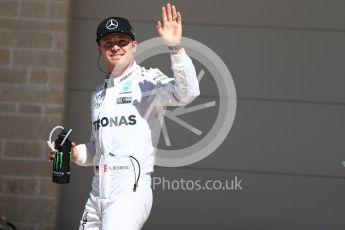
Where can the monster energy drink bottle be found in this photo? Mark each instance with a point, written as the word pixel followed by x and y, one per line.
pixel 61 163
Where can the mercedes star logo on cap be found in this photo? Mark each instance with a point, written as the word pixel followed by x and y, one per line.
pixel 112 24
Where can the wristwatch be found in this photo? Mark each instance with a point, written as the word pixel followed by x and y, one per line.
pixel 175 49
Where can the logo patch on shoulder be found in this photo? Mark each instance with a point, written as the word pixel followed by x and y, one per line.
pixel 159 77
pixel 157 72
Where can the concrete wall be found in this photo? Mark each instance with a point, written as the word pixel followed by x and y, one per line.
pixel 33 62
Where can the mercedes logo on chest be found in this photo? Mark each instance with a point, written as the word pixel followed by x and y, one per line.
pixel 112 24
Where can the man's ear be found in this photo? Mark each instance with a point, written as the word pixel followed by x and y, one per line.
pixel 98 48
pixel 135 43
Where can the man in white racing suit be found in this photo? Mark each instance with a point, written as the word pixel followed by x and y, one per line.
pixel 126 116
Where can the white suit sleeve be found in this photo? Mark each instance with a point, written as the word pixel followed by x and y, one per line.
pixel 181 89
pixel 86 152
pixel 186 86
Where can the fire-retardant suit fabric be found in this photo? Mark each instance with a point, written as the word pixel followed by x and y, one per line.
pixel 126 117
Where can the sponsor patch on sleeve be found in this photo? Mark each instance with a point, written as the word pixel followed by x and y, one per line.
pixel 159 77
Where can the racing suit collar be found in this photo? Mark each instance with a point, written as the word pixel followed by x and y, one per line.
pixel 118 78
pixel 110 80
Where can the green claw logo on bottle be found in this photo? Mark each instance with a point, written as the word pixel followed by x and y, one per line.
pixel 58 160
pixel 62 161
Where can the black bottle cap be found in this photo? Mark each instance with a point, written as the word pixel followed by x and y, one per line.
pixel 62 134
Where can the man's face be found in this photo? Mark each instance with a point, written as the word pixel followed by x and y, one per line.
pixel 117 50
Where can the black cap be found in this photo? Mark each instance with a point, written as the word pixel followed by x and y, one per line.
pixel 114 25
